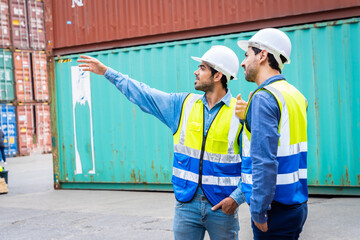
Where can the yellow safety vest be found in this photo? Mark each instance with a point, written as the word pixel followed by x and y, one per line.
pixel 291 184
pixel 211 160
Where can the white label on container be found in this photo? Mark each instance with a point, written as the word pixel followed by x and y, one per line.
pixel 81 94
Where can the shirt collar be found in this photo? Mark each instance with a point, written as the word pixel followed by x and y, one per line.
pixel 226 99
pixel 271 80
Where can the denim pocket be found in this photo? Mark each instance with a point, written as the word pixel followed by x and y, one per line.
pixel 178 204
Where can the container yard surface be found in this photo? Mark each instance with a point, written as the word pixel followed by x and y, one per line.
pixel 34 210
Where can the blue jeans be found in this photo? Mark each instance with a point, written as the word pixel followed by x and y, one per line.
pixel 2 151
pixel 284 222
pixel 192 219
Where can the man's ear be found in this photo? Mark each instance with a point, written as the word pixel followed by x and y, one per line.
pixel 218 76
pixel 263 56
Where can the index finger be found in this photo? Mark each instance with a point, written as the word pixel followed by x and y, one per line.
pixel 86 57
pixel 217 206
pixel 84 60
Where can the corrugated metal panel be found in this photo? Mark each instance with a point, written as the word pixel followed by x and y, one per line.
pixel 43 132
pixel 6 76
pixel 40 77
pixel 83 25
pixel 19 24
pixel 26 128
pixel 22 65
pixel 8 126
pixel 5 41
pixel 36 24
pixel 132 150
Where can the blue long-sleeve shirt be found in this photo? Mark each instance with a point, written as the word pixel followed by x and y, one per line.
pixel 166 106
pixel 263 119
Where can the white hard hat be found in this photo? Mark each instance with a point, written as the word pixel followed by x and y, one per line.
pixel 222 59
pixel 272 40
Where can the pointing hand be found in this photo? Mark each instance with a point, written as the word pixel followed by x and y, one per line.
pixel 92 64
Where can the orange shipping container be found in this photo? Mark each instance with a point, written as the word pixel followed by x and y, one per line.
pixel 19 24
pixel 34 128
pixel 40 77
pixel 22 72
pixel 36 24
pixel 4 24
pixel 86 25
pixel 43 131
pixel 26 128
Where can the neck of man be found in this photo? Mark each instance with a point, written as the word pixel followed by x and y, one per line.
pixel 215 95
pixel 265 73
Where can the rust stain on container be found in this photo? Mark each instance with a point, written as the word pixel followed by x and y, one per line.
pixel 5 31
pixel 95 25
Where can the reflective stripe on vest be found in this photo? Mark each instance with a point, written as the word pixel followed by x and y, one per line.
pixel 218 158
pixel 291 186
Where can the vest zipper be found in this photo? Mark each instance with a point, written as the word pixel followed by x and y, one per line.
pixel 203 144
pixel 201 158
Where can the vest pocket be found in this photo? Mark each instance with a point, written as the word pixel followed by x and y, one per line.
pixel 218 146
pixel 182 161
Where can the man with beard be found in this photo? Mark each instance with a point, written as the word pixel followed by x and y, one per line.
pixel 274 167
pixel 207 163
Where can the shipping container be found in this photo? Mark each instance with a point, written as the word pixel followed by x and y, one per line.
pixel 43 131
pixel 5 40
pixel 80 26
pixel 101 140
pixel 39 76
pixel 23 77
pixel 36 24
pixel 19 24
pixel 34 128
pixel 6 76
pixel 8 126
pixel 25 128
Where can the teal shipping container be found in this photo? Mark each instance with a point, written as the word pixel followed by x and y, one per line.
pixel 102 141
pixel 6 76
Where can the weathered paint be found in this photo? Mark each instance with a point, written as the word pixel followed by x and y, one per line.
pixel 134 150
pixel 82 26
pixel 6 76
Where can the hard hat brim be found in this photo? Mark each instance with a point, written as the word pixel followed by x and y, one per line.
pixel 210 63
pixel 243 44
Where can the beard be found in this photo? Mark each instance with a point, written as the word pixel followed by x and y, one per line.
pixel 205 86
pixel 250 74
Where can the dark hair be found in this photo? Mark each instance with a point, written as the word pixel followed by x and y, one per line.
pixel 223 78
pixel 271 59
